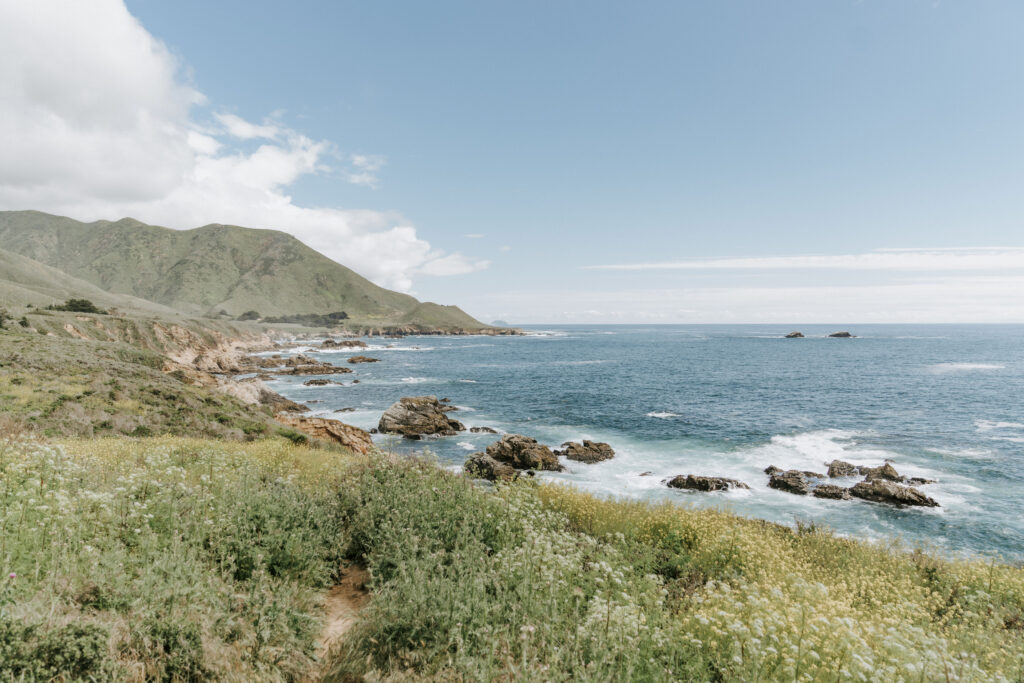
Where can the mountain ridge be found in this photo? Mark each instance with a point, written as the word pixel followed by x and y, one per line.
pixel 214 269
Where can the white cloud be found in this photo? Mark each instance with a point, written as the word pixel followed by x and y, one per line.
pixel 946 259
pixel 98 122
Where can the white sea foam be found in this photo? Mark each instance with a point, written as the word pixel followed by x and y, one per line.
pixel 415 380
pixel 663 415
pixel 946 368
pixel 466 445
pixel 990 425
pixel 467 381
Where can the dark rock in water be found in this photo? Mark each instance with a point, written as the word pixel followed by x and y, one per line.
pixel 524 453
pixel 355 381
pixel 589 451
pixel 831 491
pixel 795 335
pixel 374 431
pixel 841 468
pixel 919 481
pixel 841 335
pixel 414 416
pixel 886 471
pixel 812 475
pixel 793 481
pixel 345 410
pixel 362 359
pixel 346 344
pixel 696 482
pixel 885 491
pixel 646 474
pixel 772 469
pixel 483 466
pixel 483 430
pixel 318 382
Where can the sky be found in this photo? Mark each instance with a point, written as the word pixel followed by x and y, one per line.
pixel 553 161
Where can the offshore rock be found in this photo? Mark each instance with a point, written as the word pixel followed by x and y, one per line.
pixel 841 335
pixel 772 469
pixel 363 359
pixel 524 453
pixel 795 335
pixel 885 491
pixel 696 482
pixel 414 416
pixel 886 471
pixel 793 481
pixel 831 491
pixel 483 430
pixel 841 468
pixel 330 430
pixel 346 344
pixel 589 451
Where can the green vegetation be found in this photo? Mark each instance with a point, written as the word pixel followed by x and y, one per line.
pixel 197 272
pixel 76 306
pixel 165 559
pixel 310 319
pixel 194 559
pixel 75 387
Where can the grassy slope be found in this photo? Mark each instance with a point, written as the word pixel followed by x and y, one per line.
pixel 178 557
pixel 68 386
pixel 209 269
pixel 25 281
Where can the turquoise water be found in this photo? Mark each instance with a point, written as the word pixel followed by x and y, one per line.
pixel 941 401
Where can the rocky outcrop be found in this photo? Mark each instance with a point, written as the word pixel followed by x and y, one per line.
pixel 330 430
pixel 483 430
pixel 362 359
pixel 792 481
pixel 523 453
pixel 841 468
pixel 841 335
pixel 483 466
pixel 416 416
pixel 831 491
pixel 772 469
pixel 319 382
pixel 919 481
pixel 795 335
pixel 694 482
pixel 344 344
pixel 589 451
pixel 885 491
pixel 886 471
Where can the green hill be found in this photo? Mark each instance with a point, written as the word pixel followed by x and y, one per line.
pixel 213 268
pixel 24 281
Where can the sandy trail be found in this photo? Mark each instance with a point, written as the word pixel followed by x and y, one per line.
pixel 341 607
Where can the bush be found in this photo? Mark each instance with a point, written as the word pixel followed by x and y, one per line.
pixel 249 315
pixel 23 322
pixel 178 649
pixel 295 436
pixel 71 652
pixel 76 306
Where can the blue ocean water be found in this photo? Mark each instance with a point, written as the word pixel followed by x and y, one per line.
pixel 941 401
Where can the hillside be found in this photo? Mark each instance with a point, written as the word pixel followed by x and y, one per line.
pixel 212 269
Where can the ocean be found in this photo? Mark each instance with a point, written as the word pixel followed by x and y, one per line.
pixel 945 402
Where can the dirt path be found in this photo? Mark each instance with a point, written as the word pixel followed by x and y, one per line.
pixel 342 605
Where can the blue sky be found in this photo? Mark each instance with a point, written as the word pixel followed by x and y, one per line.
pixel 712 152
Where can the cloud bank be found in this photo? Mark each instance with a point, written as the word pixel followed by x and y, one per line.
pixel 98 122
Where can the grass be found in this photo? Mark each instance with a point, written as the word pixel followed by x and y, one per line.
pixel 179 559
pixel 75 387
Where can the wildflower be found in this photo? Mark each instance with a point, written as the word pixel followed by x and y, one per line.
pixel 12 575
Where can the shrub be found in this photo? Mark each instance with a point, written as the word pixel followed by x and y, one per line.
pixel 23 322
pixel 249 315
pixel 295 436
pixel 76 306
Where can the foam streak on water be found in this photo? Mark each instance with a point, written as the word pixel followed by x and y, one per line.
pixel 941 402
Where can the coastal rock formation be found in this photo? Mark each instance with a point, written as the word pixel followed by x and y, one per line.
pixel 363 359
pixel 831 491
pixel 318 382
pixel 483 466
pixel 841 335
pixel 696 482
pixel 772 469
pixel 793 481
pixel 886 471
pixel 885 491
pixel 414 416
pixel 330 430
pixel 483 430
pixel 345 344
pixel 918 481
pixel 795 335
pixel 588 452
pixel 841 468
pixel 523 453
